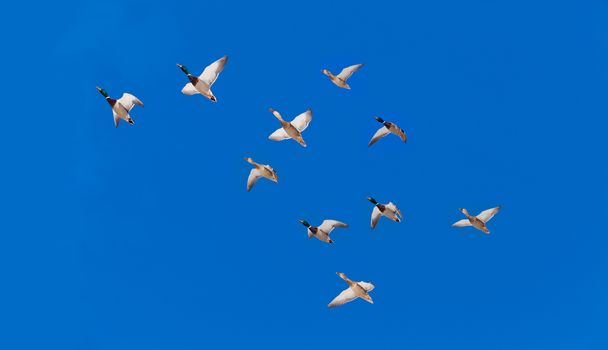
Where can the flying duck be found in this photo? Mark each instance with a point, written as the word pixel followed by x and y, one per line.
pixel 340 79
pixel 122 106
pixel 322 231
pixel 293 129
pixel 389 210
pixel 202 84
pixel 260 170
pixel 479 221
pixel 355 290
pixel 387 128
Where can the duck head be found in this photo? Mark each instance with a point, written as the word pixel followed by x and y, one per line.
pixel 380 120
pixel 372 200
pixel 326 72
pixel 304 222
pixel 102 91
pixel 184 69
pixel 464 211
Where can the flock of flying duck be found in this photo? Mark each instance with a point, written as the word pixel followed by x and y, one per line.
pixel 121 109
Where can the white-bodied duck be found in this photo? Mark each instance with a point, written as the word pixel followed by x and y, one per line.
pixel 322 231
pixel 293 129
pixel 340 79
pixel 202 84
pixel 479 221
pixel 389 210
pixel 260 170
pixel 355 290
pixel 121 107
pixel 387 128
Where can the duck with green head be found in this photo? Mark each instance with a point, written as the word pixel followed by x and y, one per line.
pixel 121 107
pixel 322 231
pixel 387 128
pixel 202 84
pixel 388 210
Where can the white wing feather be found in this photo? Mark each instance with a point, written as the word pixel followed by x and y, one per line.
pixel 393 207
pixel 343 298
pixel 301 121
pixel 279 135
pixel 488 214
pixel 367 286
pixel 128 101
pixel 348 71
pixel 375 217
pixel 383 131
pixel 462 223
pixel 189 90
pixel 116 118
pixel 212 71
pixel 254 175
pixel 328 225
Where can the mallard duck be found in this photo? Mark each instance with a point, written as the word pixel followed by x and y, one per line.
pixel 479 221
pixel 387 128
pixel 355 290
pixel 202 84
pixel 322 231
pixel 260 170
pixel 340 79
pixel 122 106
pixel 293 129
pixel 389 210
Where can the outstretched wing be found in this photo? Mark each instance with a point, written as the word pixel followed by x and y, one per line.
pixel 462 223
pixel 189 90
pixel 394 208
pixel 348 71
pixel 383 131
pixel 488 214
pixel 328 225
pixel 375 216
pixel 366 285
pixel 116 118
pixel 399 132
pixel 128 101
pixel 301 122
pixel 343 298
pixel 254 175
pixel 212 71
pixel 279 135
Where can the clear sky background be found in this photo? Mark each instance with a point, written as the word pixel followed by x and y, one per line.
pixel 144 237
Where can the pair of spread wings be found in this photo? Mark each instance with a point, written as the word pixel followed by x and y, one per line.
pixel 383 131
pixel 328 225
pixel 376 213
pixel 348 294
pixel 300 123
pixel 255 174
pixel 208 77
pixel 484 216
pixel 127 101
pixel 348 71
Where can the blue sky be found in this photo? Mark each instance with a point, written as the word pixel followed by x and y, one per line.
pixel 144 237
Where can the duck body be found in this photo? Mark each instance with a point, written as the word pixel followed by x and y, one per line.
pixel 388 210
pixel 260 170
pixel 355 290
pixel 480 221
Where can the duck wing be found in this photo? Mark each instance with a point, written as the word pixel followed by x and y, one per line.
pixel 462 223
pixel 279 135
pixel 116 118
pixel 348 71
pixel 189 90
pixel 212 71
pixel 254 175
pixel 328 225
pixel 399 132
pixel 383 131
pixel 488 214
pixel 346 296
pixel 367 286
pixel 301 121
pixel 128 101
pixel 375 217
